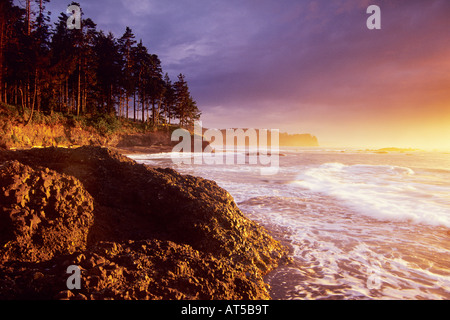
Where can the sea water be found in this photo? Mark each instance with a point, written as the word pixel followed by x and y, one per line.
pixel 360 225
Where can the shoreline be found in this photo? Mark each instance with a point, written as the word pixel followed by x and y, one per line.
pixel 143 150
pixel 137 150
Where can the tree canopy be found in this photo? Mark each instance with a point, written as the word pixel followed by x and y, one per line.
pixel 50 68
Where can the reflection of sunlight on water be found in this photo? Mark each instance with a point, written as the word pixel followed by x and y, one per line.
pixel 360 226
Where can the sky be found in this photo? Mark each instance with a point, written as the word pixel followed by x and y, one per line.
pixel 302 66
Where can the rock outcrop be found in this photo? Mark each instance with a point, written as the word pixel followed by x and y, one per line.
pixel 135 232
pixel 42 213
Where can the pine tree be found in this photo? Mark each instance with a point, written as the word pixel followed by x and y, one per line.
pixel 186 107
pixel 142 73
pixel 83 70
pixel 108 72
pixel 41 47
pixel 88 65
pixel 169 99
pixel 9 18
pixel 155 87
pixel 127 41
pixel 63 62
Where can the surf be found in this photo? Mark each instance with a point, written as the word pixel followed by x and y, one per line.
pixel 382 192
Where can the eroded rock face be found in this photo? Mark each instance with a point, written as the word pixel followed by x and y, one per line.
pixel 185 234
pixel 42 213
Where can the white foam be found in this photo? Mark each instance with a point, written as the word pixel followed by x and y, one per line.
pixel 381 192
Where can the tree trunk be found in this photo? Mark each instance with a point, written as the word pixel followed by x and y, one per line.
pixel 121 105
pixel 34 101
pixel 16 95
pixel 27 94
pixel 85 94
pixel 109 99
pixel 79 91
pixel 28 9
pixel 126 107
pixel 153 112
pixel 37 89
pixel 66 94
pixel 134 106
pixel 2 41
pixel 158 108
pixel 22 101
pixel 143 109
pixel 72 102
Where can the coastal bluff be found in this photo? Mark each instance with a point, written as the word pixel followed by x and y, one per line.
pixel 134 231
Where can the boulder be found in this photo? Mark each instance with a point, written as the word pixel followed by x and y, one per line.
pixel 42 213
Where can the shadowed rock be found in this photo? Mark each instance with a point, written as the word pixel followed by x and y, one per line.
pixel 180 217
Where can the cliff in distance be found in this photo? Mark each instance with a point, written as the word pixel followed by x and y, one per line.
pixel 298 140
pixel 251 137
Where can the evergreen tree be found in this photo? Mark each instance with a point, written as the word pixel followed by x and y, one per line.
pixel 142 74
pixel 185 107
pixel 127 41
pixel 109 71
pixel 155 87
pixel 10 21
pixel 63 63
pixel 87 76
pixel 41 46
pixel 83 70
pixel 169 99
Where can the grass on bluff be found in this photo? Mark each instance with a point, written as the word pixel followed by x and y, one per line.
pixel 103 123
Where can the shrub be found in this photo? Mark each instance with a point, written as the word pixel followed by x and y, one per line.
pixel 105 124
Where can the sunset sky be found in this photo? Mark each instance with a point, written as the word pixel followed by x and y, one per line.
pixel 302 66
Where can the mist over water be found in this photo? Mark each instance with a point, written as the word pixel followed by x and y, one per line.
pixel 360 225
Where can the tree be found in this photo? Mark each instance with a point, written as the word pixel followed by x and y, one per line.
pixel 63 62
pixel 169 99
pixel 41 47
pixel 26 53
pixel 185 106
pixel 127 41
pixel 82 71
pixel 73 64
pixel 10 18
pixel 155 87
pixel 148 80
pixel 142 74
pixel 82 41
pixel 109 71
pixel 87 77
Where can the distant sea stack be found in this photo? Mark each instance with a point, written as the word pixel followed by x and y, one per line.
pixel 250 137
pixel 135 232
pixel 298 140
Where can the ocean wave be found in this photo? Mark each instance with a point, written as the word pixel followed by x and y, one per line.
pixel 381 191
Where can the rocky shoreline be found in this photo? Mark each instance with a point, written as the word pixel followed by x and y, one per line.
pixel 135 232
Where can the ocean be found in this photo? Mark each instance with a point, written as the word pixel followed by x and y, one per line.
pixel 360 224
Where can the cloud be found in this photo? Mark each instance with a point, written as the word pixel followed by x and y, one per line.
pixel 140 7
pixel 312 60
